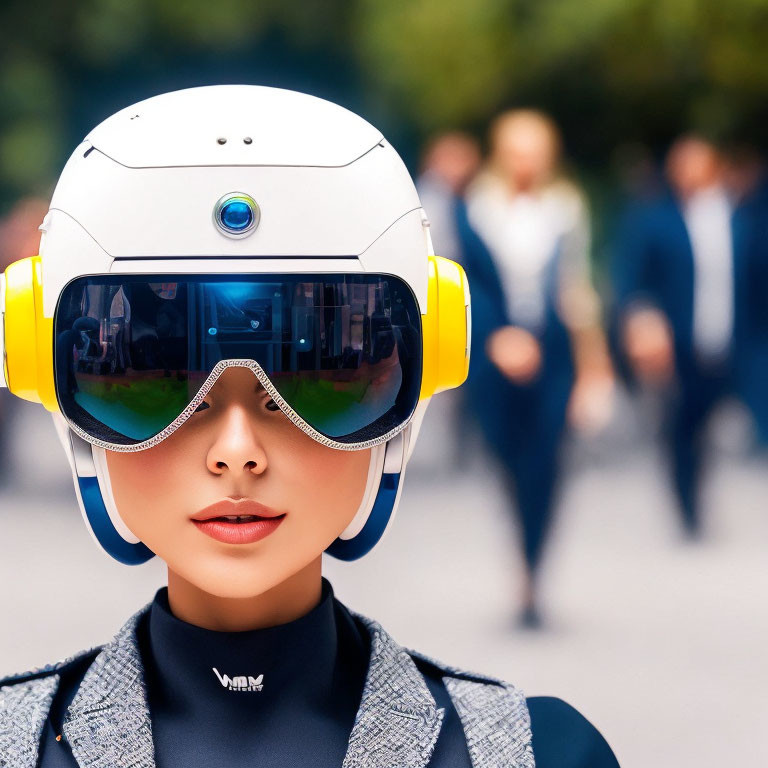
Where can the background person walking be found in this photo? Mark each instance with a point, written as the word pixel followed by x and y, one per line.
pixel 538 344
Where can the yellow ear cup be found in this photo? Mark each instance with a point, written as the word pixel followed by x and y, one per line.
pixel 445 328
pixel 28 335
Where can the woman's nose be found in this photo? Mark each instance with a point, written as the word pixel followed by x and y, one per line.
pixel 236 447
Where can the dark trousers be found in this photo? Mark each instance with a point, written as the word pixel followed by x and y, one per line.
pixel 687 418
pixel 523 426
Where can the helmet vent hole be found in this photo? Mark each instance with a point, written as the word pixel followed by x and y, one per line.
pixel 247 140
pixel 221 140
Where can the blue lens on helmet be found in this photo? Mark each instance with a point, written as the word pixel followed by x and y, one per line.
pixel 236 214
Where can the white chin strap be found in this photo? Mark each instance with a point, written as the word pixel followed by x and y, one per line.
pixel 95 498
pixel 105 486
pixel 375 469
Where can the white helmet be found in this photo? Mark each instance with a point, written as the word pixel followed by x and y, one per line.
pixel 265 228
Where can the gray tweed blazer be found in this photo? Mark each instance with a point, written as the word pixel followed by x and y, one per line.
pixel 108 723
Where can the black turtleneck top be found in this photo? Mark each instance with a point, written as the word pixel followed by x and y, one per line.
pixel 288 696
pixel 281 696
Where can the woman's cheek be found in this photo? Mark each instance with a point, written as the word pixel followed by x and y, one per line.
pixel 331 483
pixel 143 485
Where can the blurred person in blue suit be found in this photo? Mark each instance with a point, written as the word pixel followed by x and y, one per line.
pixel 450 161
pixel 538 347
pixel 688 322
pixel 745 178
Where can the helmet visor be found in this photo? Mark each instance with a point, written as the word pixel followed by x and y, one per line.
pixel 340 354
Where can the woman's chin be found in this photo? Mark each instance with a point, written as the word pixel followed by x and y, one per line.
pixel 230 577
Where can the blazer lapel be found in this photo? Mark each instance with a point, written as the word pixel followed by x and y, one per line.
pixel 24 708
pixel 107 724
pixel 398 722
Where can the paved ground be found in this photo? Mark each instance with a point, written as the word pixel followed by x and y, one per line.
pixel 659 643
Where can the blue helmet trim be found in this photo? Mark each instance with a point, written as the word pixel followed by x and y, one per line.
pixel 373 530
pixel 98 518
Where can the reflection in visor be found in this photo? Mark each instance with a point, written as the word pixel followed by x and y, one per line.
pixel 343 351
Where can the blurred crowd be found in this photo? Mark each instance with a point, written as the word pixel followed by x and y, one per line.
pixel 682 311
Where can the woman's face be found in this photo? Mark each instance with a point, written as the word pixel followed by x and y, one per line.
pixel 525 153
pixel 240 449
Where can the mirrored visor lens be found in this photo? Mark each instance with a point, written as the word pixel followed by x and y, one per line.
pixel 343 351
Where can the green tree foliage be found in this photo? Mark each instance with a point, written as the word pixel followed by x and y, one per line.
pixel 610 70
pixel 443 62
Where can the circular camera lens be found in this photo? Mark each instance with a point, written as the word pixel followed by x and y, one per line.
pixel 236 214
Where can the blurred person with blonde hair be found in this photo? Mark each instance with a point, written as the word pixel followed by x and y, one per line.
pixel 689 318
pixel 540 351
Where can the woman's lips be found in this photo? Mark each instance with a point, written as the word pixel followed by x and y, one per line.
pixel 256 521
pixel 238 533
